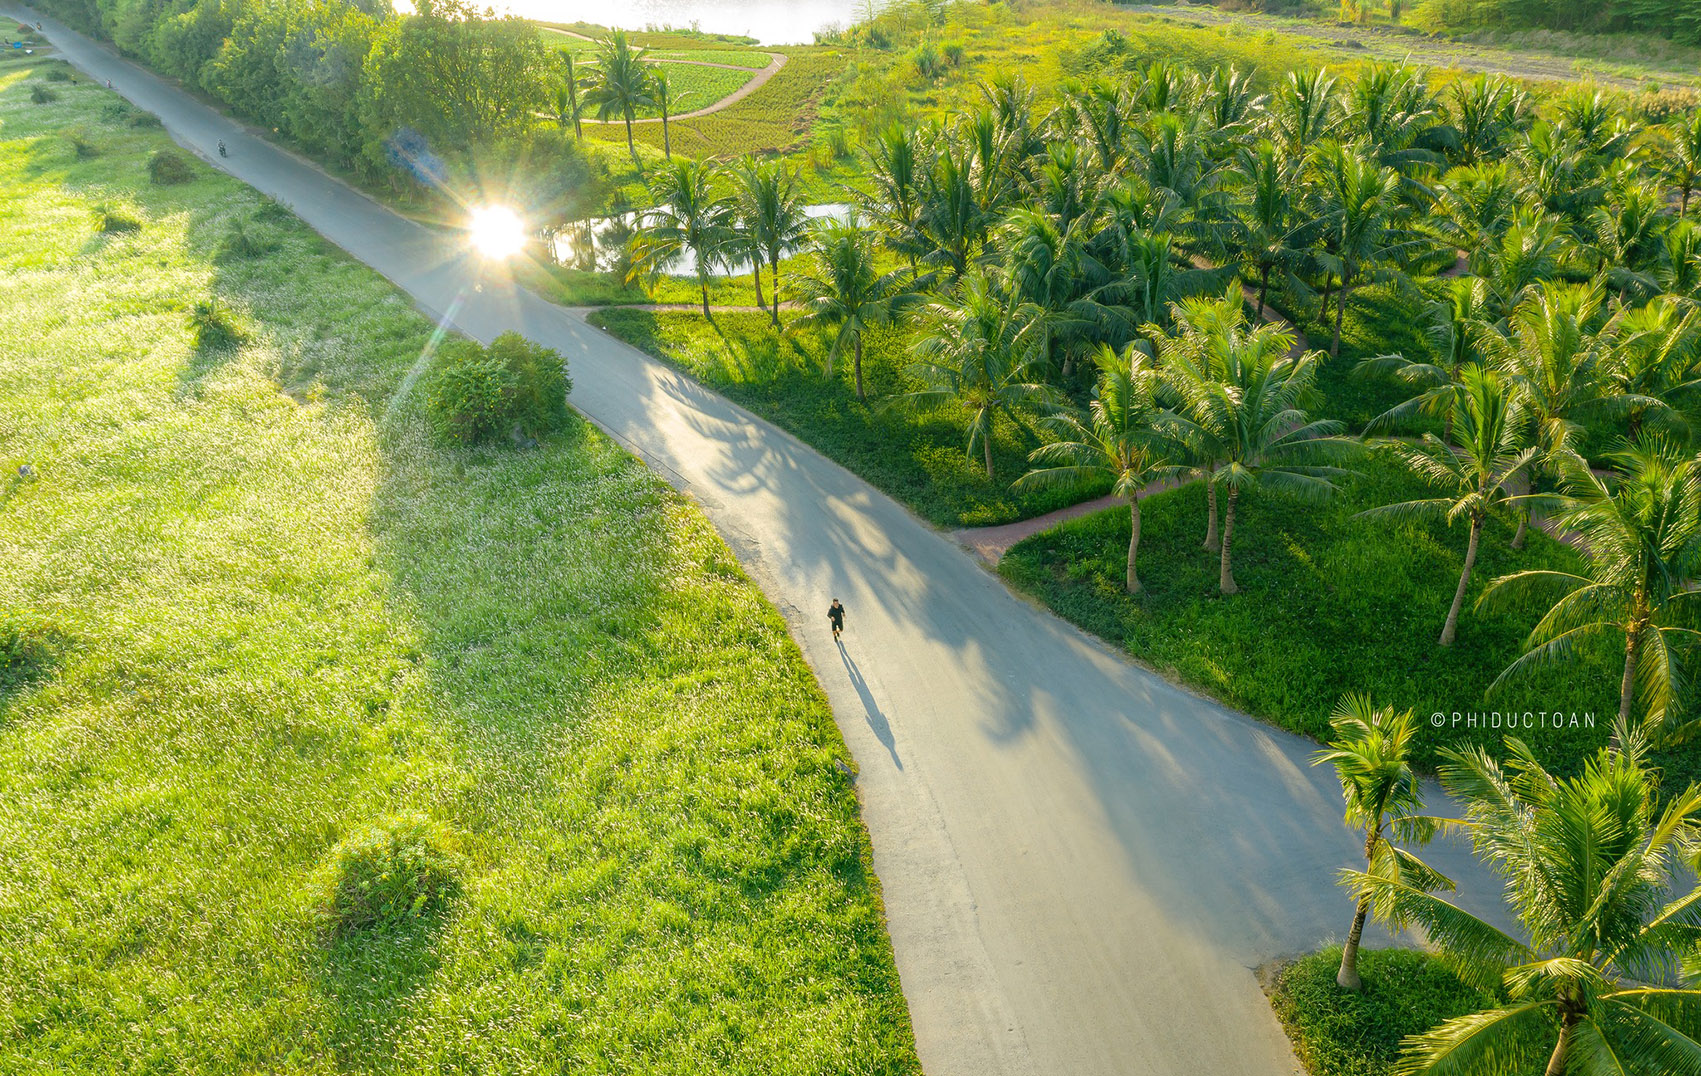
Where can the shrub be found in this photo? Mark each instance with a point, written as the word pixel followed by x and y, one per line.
pixel 145 119
pixel 1339 1032
pixel 214 326
pixel 929 64
pixel 514 388
pixel 83 148
pixel 242 242
pixel 167 167
pixel 115 111
pixel 58 74
pixel 398 869
pixel 954 53
pixel 41 95
pixel 114 221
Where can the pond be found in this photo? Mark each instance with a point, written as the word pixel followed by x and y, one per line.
pixel 597 243
pixel 772 22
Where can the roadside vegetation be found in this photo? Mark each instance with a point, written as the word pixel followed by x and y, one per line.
pixel 327 744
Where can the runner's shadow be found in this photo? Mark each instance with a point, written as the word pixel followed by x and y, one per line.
pixel 876 720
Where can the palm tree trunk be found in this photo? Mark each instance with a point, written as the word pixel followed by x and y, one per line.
pixel 1133 543
pixel 1523 529
pixel 1263 289
pixel 667 143
pixel 756 272
pixel 774 282
pixel 986 447
pixel 859 395
pixel 1340 315
pixel 1451 628
pixel 1225 578
pixel 703 282
pixel 1347 978
pixel 1328 290
pixel 1213 544
pixel 1562 1048
pixel 1627 686
pixel 630 148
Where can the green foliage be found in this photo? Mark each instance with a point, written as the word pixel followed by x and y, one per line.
pixel 23 655
pixel 41 95
pixel 242 240
pixel 1340 1032
pixel 397 869
pixel 58 74
pixel 214 326
pixel 82 147
pixel 477 396
pixel 167 167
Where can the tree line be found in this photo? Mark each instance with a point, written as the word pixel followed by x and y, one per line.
pixel 448 97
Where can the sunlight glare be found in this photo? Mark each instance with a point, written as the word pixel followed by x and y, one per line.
pixel 496 231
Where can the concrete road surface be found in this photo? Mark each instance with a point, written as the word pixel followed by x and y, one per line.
pixel 1082 863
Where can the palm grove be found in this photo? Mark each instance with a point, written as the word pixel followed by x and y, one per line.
pixel 1104 268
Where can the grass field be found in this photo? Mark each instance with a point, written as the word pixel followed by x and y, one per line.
pixel 265 610
pixel 916 457
pixel 1329 604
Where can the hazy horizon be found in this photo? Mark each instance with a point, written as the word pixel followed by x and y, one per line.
pixel 773 22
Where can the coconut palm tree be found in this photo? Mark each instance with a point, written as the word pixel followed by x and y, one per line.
pixel 1127 439
pixel 1640 539
pixel 1361 226
pixel 980 354
pixel 1269 231
pixel 1679 150
pixel 1371 753
pixel 1241 393
pixel 1303 111
pixel 1457 324
pixel 1593 869
pixel 897 167
pixel 1475 479
pixel 1656 357
pixel 1487 111
pixel 662 94
pixel 568 107
pixel 770 213
pixel 621 85
pixel 1556 353
pixel 1681 274
pixel 688 218
pixel 844 291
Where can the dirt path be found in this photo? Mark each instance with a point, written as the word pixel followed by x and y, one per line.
pixel 776 61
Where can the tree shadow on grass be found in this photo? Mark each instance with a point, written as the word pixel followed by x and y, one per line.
pixel 373 976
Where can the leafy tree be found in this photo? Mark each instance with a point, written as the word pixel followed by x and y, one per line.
pixel 1640 540
pixel 1487 111
pixel 1245 400
pixel 1303 111
pixel 1271 235
pixel 622 85
pixel 1128 439
pixel 1371 753
pixel 1476 477
pixel 1457 325
pixel 687 218
pixel 568 107
pixel 979 354
pixel 846 291
pixel 897 168
pixel 1361 204
pixel 1679 150
pixel 771 215
pixel 1591 863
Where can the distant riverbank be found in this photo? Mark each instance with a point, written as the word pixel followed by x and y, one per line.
pixel 771 22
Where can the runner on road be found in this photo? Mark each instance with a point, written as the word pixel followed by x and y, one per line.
pixel 836 617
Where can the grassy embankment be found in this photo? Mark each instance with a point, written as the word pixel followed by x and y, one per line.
pixel 265 610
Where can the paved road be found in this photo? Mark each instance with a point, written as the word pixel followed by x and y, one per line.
pixel 1082 863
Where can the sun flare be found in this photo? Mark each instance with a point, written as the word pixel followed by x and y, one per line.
pixel 496 231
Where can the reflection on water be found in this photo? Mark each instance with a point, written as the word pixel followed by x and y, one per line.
pixel 772 22
pixel 598 243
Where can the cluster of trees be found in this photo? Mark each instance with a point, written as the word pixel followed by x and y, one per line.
pixel 447 96
pixel 1599 870
pixel 1679 20
pixel 1136 232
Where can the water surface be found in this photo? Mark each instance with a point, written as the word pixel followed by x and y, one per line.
pixel 773 22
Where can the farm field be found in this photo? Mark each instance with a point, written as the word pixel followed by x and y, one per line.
pixel 263 612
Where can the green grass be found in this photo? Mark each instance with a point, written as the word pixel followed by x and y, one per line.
pixel 747 58
pixel 1339 1032
pixel 1329 604
pixel 270 611
pixel 916 457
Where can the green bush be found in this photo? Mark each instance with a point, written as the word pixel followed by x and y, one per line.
pixel 146 119
pixel 512 389
pixel 214 326
pixel 57 74
pixel 41 95
pixel 83 148
pixel 242 242
pixel 113 221
pixel 167 167
pixel 400 868
pixel 1339 1032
